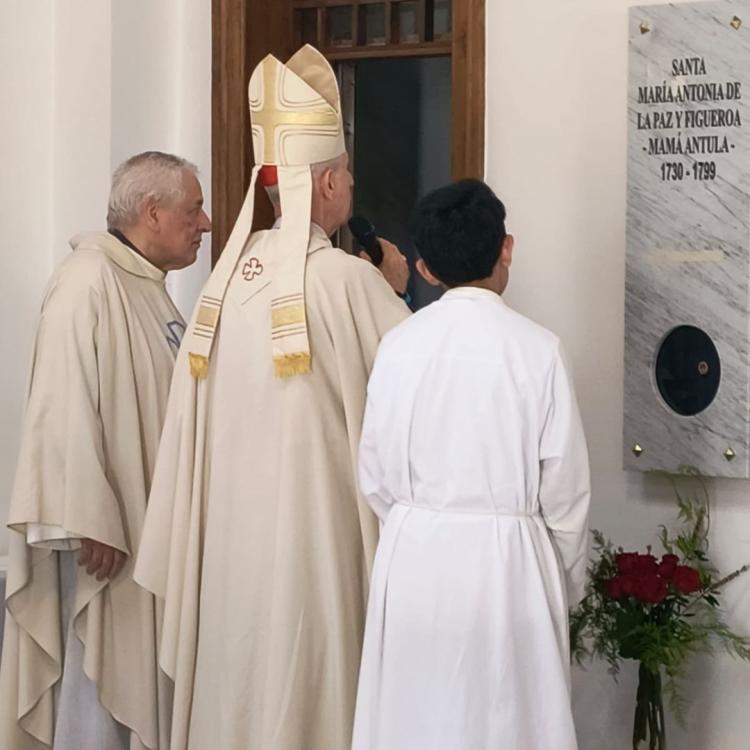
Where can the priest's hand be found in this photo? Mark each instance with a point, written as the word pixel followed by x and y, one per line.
pixel 394 266
pixel 100 559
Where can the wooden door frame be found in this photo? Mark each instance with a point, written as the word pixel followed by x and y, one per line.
pixel 239 45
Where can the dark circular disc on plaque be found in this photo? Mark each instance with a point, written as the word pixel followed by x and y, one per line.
pixel 688 370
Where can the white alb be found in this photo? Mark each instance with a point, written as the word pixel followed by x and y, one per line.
pixel 474 458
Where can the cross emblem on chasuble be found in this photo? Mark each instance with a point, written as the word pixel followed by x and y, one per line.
pixel 251 269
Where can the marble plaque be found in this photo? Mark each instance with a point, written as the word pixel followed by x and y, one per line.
pixel 687 286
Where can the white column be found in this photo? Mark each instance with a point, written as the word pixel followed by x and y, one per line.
pixel 26 44
pixel 82 113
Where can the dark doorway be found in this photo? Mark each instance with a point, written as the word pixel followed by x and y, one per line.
pixel 401 145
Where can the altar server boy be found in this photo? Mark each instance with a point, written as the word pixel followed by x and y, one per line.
pixel 474 458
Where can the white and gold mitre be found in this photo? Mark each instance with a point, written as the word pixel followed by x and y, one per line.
pixel 295 110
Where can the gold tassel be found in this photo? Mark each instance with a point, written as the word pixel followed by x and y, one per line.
pixel 198 366
pixel 289 365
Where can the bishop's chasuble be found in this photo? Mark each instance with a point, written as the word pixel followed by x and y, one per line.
pixel 103 358
pixel 255 534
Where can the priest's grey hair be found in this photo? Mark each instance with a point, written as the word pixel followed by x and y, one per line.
pixel 152 175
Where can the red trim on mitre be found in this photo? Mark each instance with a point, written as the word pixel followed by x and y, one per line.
pixel 268 176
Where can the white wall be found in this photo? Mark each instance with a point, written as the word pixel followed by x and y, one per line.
pixel 556 155
pixel 84 85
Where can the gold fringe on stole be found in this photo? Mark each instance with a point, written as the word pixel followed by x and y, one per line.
pixel 287 365
pixel 198 366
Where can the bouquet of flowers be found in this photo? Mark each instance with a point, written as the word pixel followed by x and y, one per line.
pixel 658 612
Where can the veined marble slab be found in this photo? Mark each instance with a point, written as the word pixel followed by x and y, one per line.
pixel 688 227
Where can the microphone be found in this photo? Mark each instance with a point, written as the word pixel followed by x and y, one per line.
pixel 364 233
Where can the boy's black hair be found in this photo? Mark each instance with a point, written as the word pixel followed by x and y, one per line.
pixel 458 231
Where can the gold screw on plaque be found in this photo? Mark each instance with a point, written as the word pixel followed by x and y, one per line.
pixel 645 27
pixel 637 450
pixel 729 454
pixel 703 368
pixel 735 23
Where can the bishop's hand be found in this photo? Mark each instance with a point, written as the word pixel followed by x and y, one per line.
pixel 394 267
pixel 100 559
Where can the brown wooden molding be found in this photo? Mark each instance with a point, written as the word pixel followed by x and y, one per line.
pixel 468 82
pixel 230 120
pixel 375 51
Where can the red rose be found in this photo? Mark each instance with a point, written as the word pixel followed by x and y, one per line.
pixel 628 585
pixel 651 589
pixel 613 587
pixel 627 562
pixel 668 565
pixel 646 565
pixel 686 579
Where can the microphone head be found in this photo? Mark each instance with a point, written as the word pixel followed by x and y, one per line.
pixel 364 233
pixel 361 227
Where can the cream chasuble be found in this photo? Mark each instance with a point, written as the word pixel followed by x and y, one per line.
pixel 102 363
pixel 255 534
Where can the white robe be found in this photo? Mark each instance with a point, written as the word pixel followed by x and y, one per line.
pixel 473 456
pixel 104 352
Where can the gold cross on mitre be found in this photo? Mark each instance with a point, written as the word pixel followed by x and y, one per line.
pixel 295 112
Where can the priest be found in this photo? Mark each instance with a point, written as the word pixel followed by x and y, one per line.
pixel 256 537
pixel 79 666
